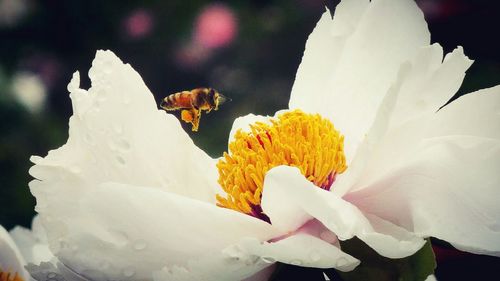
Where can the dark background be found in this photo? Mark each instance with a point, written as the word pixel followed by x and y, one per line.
pixel 44 42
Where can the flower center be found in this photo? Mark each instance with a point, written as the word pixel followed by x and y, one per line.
pixel 306 141
pixel 7 276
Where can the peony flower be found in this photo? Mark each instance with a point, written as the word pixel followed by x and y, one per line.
pixel 11 260
pixel 19 247
pixel 364 150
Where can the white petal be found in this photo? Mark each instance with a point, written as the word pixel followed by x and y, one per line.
pixel 338 215
pixel 229 265
pixel 422 87
pixel 33 250
pixel 11 259
pixel 322 52
pixel 428 83
pixel 474 114
pixel 388 33
pixel 127 232
pixel 55 270
pixel 302 250
pixel 243 123
pixel 448 190
pixel 117 134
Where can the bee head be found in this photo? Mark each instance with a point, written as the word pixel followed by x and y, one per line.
pixel 215 98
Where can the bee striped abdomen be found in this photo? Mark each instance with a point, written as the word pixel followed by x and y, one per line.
pixel 177 101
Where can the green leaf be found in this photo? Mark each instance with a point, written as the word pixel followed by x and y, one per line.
pixel 374 267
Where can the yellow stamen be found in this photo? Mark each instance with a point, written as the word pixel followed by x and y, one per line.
pixel 7 276
pixel 306 141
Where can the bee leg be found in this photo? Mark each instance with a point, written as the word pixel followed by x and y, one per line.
pixel 186 116
pixel 196 119
pixel 191 116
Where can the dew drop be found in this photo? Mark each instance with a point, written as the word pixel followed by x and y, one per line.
pixel 117 128
pixel 75 170
pixel 74 247
pixel 332 223
pixel 494 226
pixel 341 262
pixel 63 244
pixel 268 259
pixel 315 256
pixel 122 144
pixel 51 275
pixel 128 272
pixel 88 139
pixel 120 160
pixel 140 245
pixel 233 251
pixel 121 238
pixel 96 107
pixel 296 262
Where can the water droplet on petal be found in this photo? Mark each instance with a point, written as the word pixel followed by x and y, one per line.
pixel 51 275
pixel 88 139
pixel 140 245
pixel 122 144
pixel 117 128
pixel 96 107
pixel 268 259
pixel 128 272
pixel 332 223
pixel 341 262
pixel 296 262
pixel 121 238
pixel 233 251
pixel 120 160
pixel 315 256
pixel 75 170
pixel 63 244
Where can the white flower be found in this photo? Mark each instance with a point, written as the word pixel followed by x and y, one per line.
pixel 130 197
pixel 20 247
pixel 11 261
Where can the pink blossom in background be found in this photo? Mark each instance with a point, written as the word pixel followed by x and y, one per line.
pixel 191 55
pixel 138 24
pixel 216 26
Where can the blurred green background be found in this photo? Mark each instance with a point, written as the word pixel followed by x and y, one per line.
pixel 248 50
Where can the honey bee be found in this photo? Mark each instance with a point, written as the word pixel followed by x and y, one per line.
pixel 192 103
